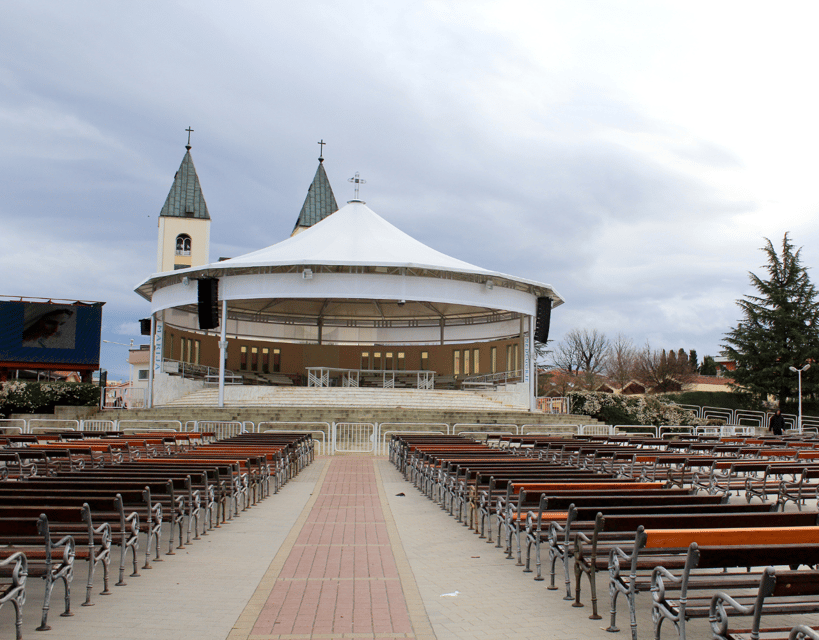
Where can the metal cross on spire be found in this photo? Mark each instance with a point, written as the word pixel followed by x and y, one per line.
pixel 357 180
pixel 189 130
pixel 321 143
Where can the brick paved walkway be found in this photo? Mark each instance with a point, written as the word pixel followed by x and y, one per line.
pixel 340 576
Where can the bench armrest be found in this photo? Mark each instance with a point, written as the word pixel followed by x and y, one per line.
pixel 802 632
pixel 723 605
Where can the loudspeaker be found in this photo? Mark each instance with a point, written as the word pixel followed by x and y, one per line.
pixel 145 326
pixel 544 314
pixel 208 303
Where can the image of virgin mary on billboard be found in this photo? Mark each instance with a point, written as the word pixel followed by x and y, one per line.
pixel 49 326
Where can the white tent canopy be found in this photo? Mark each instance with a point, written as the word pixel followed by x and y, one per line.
pixel 354 278
pixel 338 267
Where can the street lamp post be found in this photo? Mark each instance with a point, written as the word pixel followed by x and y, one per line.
pixel 798 372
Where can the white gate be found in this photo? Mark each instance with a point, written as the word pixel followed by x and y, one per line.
pixel 354 437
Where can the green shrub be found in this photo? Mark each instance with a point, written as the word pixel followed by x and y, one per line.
pixel 42 397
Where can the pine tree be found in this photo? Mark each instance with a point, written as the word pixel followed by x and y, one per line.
pixel 708 366
pixel 692 359
pixel 779 329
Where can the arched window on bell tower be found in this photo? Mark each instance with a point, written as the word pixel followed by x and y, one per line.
pixel 183 244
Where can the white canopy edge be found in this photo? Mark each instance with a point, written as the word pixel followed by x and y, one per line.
pixel 354 236
pixel 367 286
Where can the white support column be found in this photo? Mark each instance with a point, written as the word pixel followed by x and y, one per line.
pixel 222 353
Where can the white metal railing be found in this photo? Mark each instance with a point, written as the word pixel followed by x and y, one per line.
pixel 149 425
pixel 628 429
pixel 354 437
pixel 549 429
pixel 39 425
pixel 194 371
pixel 596 430
pixel 554 405
pixel 717 413
pixel 673 430
pixel 122 398
pixel 320 379
pixel 743 417
pixel 738 430
pixel 9 425
pixel 98 425
pixel 810 421
pixel 324 376
pixel 350 379
pixel 460 427
pixel 483 435
pixel 494 379
pixel 301 427
pixel 697 409
pixel 220 428
pixel 230 378
pixel 425 380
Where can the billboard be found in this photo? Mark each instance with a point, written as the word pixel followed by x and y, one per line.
pixel 49 333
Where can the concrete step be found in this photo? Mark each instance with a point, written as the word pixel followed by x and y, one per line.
pixel 348 414
pixel 248 396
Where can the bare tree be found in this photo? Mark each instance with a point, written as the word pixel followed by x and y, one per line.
pixel 582 353
pixel 622 361
pixel 662 371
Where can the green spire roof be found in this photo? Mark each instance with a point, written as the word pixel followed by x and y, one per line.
pixel 185 199
pixel 319 203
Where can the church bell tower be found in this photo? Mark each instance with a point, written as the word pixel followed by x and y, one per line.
pixel 184 222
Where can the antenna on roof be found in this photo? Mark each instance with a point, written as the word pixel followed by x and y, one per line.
pixel 321 143
pixel 357 180
pixel 189 130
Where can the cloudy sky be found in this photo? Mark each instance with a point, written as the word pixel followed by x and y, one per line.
pixel 632 154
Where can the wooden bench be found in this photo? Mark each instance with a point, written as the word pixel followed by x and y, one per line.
pixel 777 591
pixel 512 509
pixel 770 483
pixel 559 534
pixel 13 575
pixel 53 561
pixel 777 539
pixel 805 486
pixel 613 533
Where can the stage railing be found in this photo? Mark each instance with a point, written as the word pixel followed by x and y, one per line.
pixel 385 378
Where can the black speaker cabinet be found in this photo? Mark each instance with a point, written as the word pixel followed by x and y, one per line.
pixel 208 303
pixel 544 314
pixel 145 326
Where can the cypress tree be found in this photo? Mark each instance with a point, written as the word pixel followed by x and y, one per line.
pixel 779 329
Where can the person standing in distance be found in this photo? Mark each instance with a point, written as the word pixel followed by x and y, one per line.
pixel 777 423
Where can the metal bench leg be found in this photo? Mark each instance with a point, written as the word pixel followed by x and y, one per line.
pixel 613 593
pixel 106 567
pixel 17 603
pixel 517 536
pixel 528 566
pixel 578 571
pixel 565 574
pixel 92 565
